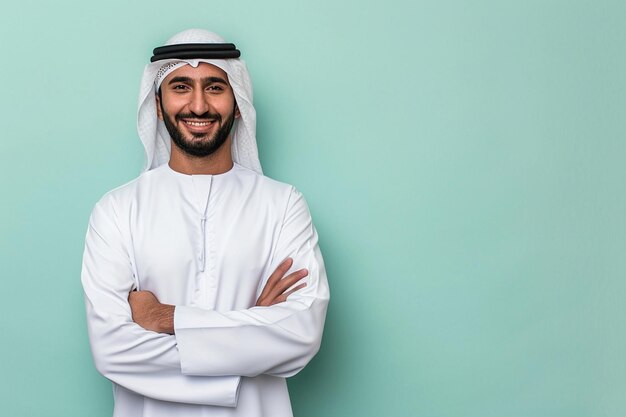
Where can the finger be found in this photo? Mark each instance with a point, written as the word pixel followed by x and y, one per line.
pixel 294 289
pixel 142 298
pixel 284 296
pixel 290 279
pixel 268 297
pixel 280 271
pixel 287 282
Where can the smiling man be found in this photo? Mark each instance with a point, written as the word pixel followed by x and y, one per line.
pixel 201 117
pixel 204 283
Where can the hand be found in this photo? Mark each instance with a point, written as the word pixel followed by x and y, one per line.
pixel 150 314
pixel 275 290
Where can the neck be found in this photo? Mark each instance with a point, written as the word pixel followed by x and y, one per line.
pixel 217 163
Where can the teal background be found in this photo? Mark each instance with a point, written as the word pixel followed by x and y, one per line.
pixel 463 161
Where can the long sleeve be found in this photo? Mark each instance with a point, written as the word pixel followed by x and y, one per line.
pixel 278 340
pixel 142 361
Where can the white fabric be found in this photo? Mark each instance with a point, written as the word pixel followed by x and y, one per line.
pixel 154 135
pixel 206 244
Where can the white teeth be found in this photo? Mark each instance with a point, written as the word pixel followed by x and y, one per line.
pixel 198 123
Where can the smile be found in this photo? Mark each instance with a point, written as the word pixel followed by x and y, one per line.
pixel 198 124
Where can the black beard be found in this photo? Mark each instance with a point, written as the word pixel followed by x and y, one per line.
pixel 199 148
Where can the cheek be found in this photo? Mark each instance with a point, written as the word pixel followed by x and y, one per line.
pixel 172 104
pixel 226 106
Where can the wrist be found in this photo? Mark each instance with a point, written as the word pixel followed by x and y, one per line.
pixel 165 318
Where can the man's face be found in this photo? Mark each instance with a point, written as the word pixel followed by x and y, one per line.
pixel 198 108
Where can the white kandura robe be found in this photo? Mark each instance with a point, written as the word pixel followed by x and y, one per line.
pixel 207 244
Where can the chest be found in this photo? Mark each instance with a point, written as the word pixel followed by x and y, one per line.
pixel 215 258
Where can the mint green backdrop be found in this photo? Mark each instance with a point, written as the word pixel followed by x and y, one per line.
pixel 464 163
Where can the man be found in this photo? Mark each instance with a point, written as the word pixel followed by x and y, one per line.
pixel 204 284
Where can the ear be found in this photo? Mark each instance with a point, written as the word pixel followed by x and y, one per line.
pixel 237 113
pixel 158 107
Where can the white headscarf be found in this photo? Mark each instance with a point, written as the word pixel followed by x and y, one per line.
pixel 152 131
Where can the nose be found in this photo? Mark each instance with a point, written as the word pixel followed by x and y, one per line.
pixel 199 102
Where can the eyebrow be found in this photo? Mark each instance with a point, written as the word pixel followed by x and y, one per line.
pixel 189 80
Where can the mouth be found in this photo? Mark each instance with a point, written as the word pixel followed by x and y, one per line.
pixel 198 126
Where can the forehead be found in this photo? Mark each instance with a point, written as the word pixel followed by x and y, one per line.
pixel 203 70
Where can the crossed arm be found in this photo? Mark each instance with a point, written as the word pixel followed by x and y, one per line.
pixel 204 361
pixel 152 315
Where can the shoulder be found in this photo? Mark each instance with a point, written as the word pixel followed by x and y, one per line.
pixel 121 198
pixel 280 195
pixel 264 184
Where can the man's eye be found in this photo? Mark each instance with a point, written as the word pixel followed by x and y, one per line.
pixel 214 88
pixel 180 87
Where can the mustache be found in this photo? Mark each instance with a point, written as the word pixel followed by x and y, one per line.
pixel 203 116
